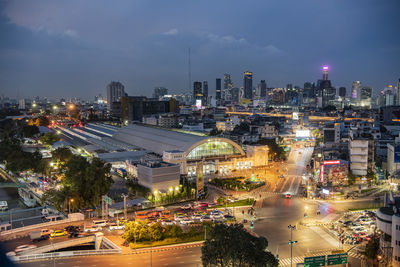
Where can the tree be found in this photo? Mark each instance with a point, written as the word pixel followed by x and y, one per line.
pixel 372 248
pixel 88 180
pixel 136 231
pixel 275 150
pixel 173 231
pixel 155 231
pixel 49 138
pixel 232 245
pixel 61 154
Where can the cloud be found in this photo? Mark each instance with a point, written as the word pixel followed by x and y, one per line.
pixel 272 49
pixel 71 33
pixel 173 31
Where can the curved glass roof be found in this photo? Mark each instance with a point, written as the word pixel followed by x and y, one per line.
pixel 213 148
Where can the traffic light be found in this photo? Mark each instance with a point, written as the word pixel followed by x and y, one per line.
pixel 251 225
pixel 292 242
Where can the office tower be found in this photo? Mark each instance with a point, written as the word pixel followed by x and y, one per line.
pixel 248 85
pixel 160 92
pixel 325 73
pixel 325 89
pixel 365 96
pixel 355 92
pixel 227 86
pixel 398 93
pixel 235 95
pixel 133 108
pixel 218 89
pixel 205 93
pixel 342 92
pixel 115 90
pixel 263 89
pixel 197 91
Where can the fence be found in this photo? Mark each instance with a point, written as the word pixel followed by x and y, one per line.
pixel 64 254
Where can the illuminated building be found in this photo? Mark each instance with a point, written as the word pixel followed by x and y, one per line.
pixel 218 95
pixel 355 92
pixel 205 93
pixel 219 156
pixel 248 85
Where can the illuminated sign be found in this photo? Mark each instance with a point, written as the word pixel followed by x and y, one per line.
pixel 303 133
pixel 325 191
pixel 321 178
pixel 295 116
pixel 198 103
pixel 331 162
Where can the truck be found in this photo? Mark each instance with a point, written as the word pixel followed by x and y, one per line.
pixel 40 235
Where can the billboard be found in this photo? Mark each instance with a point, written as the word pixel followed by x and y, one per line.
pixel 397 154
pixel 334 171
pixel 198 103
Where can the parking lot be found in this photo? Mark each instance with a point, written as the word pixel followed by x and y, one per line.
pixel 356 228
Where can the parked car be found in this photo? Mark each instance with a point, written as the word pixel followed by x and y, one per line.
pixel 24 248
pixel 196 217
pixel 186 207
pixel 92 229
pixel 205 218
pixel 167 222
pixel 203 204
pixel 186 221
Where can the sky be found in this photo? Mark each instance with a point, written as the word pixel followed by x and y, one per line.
pixel 74 48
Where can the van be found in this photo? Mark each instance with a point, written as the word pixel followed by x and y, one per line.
pixel 53 218
pixel 101 223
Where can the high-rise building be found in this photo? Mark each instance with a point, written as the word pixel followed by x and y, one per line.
pixel 197 91
pixel 355 92
pixel 205 93
pixel 115 90
pixel 227 86
pixel 398 93
pixel 342 92
pixel 160 92
pixel 218 89
pixel 263 89
pixel 325 73
pixel 365 97
pixel 133 108
pixel 248 85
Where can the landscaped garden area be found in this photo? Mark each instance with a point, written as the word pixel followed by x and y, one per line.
pixel 237 184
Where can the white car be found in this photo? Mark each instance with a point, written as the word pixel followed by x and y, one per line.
pixel 115 226
pixel 196 217
pixel 186 221
pixel 186 207
pixel 23 248
pixel 217 217
pixel 205 218
pixel 167 222
pixel 180 218
pixel 92 229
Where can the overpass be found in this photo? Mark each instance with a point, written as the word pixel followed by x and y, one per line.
pixel 313 118
pixel 15 185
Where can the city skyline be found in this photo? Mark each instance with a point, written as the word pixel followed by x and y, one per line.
pixel 57 50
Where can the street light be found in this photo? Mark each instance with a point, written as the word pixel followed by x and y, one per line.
pixel 69 205
pixel 291 242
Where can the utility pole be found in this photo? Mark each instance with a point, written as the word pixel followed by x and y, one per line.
pixel 291 242
pixel 125 212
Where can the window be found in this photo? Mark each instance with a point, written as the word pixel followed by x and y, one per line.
pixel 213 148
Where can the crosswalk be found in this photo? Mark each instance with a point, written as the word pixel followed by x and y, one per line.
pixel 295 260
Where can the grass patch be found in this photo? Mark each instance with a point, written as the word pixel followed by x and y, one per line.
pixel 242 202
pixel 371 209
pixel 168 241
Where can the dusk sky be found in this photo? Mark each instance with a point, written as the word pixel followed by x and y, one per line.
pixel 74 48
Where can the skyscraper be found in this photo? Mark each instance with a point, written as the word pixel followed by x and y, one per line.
pixel 227 86
pixel 325 88
pixel 115 90
pixel 263 89
pixel 159 92
pixel 197 92
pixel 355 92
pixel 248 85
pixel 342 92
pixel 218 89
pixel 398 94
pixel 365 96
pixel 205 93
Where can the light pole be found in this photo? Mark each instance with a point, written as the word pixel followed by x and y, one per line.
pixel 69 205
pixel 291 242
